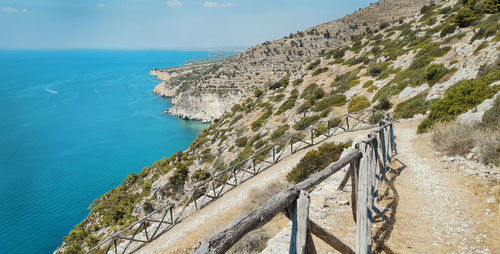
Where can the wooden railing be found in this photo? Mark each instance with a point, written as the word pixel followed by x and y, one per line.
pixel 203 193
pixel 367 162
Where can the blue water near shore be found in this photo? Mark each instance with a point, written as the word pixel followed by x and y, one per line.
pixel 61 151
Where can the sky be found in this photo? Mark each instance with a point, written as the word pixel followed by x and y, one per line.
pixel 160 24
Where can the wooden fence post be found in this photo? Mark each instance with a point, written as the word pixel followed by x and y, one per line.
pixel 302 215
pixel 363 214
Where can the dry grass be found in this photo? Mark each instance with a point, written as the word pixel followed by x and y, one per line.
pixel 255 241
pixel 460 139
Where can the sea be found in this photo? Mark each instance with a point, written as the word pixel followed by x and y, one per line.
pixel 74 124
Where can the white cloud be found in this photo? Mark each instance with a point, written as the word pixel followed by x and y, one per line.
pixel 217 5
pixel 174 3
pixel 101 5
pixel 25 10
pixel 10 10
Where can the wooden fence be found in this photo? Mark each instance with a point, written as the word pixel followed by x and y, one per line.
pixel 368 162
pixel 203 193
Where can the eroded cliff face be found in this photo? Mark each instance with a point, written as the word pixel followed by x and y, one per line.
pixel 204 106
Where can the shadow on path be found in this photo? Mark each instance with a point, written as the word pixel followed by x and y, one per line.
pixel 387 204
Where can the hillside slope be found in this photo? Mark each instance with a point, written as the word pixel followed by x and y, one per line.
pixel 207 92
pixel 436 64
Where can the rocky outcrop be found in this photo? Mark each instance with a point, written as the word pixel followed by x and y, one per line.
pixel 205 106
pixel 164 90
pixel 475 115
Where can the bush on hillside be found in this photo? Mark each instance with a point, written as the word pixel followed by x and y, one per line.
pixel 336 100
pixel 341 82
pixel 313 65
pixel 358 103
pixel 278 133
pixel 319 71
pixel 259 122
pixel 434 73
pixel 412 106
pixel 459 98
pixel 383 104
pixel 465 17
pixel 368 84
pixel 258 92
pixel 200 175
pixel 305 122
pixel 448 29
pixel 283 82
pixel 241 142
pixel 297 82
pixel 316 160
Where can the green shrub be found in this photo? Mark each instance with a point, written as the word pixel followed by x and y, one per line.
pixel 297 82
pixel 341 82
pixel 313 65
pixel 333 100
pixel 358 103
pixel 491 117
pixel 258 92
pixel 367 84
pixel 283 82
pixel 354 83
pixel 304 107
pixel 427 53
pixel 480 47
pixel 200 175
pixel 383 104
pixel 375 69
pixel 241 142
pixel 459 98
pixel 412 106
pixel 383 25
pixel 289 103
pixel 180 174
pixel 336 53
pixel 372 89
pixel 465 17
pixel 305 122
pixel 319 71
pixel 316 160
pixel 259 122
pixel 321 129
pixel 448 29
pixel 491 6
pixel 434 73
pixel 278 133
pixel 357 60
pixel 313 92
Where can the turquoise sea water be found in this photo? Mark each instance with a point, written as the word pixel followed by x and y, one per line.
pixel 61 151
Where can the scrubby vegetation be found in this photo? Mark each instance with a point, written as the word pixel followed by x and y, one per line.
pixel 316 160
pixel 305 122
pixel 412 106
pixel 459 98
pixel 358 103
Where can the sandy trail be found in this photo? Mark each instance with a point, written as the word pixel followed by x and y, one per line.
pixel 435 212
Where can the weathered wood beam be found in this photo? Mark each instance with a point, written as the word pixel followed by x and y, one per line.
pixel 363 206
pixel 302 215
pixel 225 239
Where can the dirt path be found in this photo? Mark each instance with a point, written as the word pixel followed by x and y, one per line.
pixel 433 210
pixel 186 235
